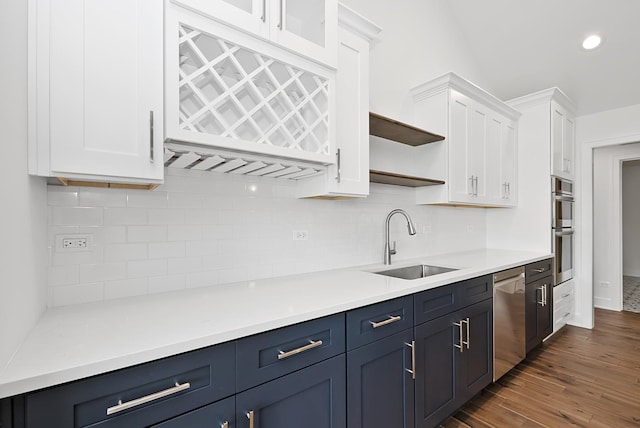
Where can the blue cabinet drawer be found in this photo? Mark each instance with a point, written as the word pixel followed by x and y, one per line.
pixel 213 415
pixel 537 270
pixel 431 304
pixel 370 323
pixel 272 354
pixel 138 396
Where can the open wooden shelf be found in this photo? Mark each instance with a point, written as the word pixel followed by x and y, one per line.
pixel 383 127
pixel 383 177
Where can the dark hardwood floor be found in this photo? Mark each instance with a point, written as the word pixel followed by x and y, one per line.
pixel 579 377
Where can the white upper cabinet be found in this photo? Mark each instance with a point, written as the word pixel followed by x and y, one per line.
pixel 480 149
pixel 227 89
pixel 95 90
pixel 306 27
pixel 349 176
pixel 562 139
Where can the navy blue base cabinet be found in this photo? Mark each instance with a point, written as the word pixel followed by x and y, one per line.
pixel 313 397
pixel 454 356
pixel 380 388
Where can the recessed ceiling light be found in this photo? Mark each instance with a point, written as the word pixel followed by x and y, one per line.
pixel 591 42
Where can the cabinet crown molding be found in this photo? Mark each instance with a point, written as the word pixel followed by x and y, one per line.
pixel 453 81
pixel 353 21
pixel 544 96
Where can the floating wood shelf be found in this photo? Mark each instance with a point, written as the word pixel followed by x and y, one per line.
pixel 390 129
pixel 383 177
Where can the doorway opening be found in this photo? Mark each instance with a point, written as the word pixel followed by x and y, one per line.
pixel 631 235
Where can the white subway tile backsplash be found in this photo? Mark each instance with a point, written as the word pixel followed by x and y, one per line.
pixel 124 216
pixel 76 216
pixel 146 199
pixel 146 268
pixel 125 288
pixel 146 233
pixel 201 229
pixel 125 252
pixel 102 272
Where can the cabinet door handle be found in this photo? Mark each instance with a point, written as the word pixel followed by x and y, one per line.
pixel 151 153
pixel 147 398
pixel 312 344
pixel 475 187
pixel 539 270
pixel 250 417
pixel 339 165
pixel 263 17
pixel 412 345
pixel 391 319
pixel 508 190
pixel 280 24
pixel 468 342
pixel 541 289
pixel 471 185
pixel 460 338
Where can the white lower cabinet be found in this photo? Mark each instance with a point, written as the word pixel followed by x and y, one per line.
pixel 349 177
pixel 95 93
pixel 480 149
pixel 563 304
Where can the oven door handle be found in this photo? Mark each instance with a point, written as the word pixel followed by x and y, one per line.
pixel 564 198
pixel 563 232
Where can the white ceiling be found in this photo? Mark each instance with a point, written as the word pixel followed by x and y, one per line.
pixel 526 46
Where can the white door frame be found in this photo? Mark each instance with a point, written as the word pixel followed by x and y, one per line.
pixel 584 316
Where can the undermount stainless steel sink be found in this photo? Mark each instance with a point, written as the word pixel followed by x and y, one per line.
pixel 415 272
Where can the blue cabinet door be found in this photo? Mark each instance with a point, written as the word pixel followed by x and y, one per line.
pixel 476 368
pixel 437 361
pixel 380 389
pixel 314 397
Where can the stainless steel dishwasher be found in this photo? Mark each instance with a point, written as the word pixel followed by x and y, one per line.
pixel 509 334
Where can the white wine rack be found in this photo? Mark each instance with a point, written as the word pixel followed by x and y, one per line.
pixel 226 90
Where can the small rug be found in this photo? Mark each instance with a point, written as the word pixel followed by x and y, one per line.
pixel 631 293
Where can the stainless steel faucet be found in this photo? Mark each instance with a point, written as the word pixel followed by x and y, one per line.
pixel 388 251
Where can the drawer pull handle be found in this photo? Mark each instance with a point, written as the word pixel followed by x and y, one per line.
pixel 312 344
pixel 566 295
pixel 148 398
pixel 539 270
pixel 391 319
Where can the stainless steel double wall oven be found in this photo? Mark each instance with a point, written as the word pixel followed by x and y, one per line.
pixel 562 228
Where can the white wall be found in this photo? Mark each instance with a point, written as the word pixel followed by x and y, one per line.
pixel 606 129
pixel 23 225
pixel 418 42
pixel 203 228
pixel 631 218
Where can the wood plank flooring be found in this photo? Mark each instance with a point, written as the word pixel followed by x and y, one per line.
pixel 579 377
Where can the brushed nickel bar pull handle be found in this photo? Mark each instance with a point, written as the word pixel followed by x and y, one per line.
pixel 280 24
pixel 338 177
pixel 460 338
pixel 546 294
pixel 468 342
pixel 538 270
pixel 390 320
pixel 311 345
pixel 151 153
pixel 148 398
pixel 471 185
pixel 541 302
pixel 264 11
pixel 566 315
pixel 250 416
pixel 412 345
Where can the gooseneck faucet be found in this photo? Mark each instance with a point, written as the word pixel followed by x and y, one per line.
pixel 388 251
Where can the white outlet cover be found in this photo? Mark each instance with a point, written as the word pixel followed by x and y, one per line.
pixel 60 243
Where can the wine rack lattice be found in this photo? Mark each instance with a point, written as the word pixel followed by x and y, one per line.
pixel 230 91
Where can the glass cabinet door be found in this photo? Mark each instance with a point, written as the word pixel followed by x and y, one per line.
pixel 306 26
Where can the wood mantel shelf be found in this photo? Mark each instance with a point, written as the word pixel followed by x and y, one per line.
pixel 383 177
pixel 391 129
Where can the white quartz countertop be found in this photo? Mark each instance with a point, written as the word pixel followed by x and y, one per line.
pixel 70 343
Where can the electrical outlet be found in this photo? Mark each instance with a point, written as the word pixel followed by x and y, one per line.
pixel 300 235
pixel 73 242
